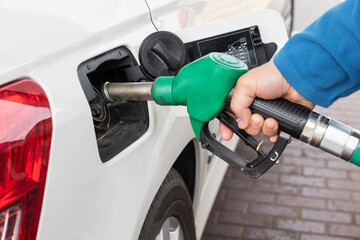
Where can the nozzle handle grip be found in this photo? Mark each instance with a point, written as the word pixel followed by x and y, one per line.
pixel 291 117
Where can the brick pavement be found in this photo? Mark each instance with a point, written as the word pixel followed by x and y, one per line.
pixel 310 195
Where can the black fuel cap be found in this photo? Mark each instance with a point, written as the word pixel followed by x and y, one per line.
pixel 162 54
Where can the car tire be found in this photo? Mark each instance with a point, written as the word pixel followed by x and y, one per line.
pixel 170 215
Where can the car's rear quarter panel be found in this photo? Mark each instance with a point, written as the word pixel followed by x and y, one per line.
pixel 84 198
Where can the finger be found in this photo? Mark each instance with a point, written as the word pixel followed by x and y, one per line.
pixel 225 132
pixel 242 99
pixel 255 126
pixel 270 127
pixel 273 139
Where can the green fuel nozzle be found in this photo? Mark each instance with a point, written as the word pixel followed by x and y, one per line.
pixel 202 86
pixel 205 87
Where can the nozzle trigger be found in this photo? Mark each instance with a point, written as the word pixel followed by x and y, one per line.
pixel 252 169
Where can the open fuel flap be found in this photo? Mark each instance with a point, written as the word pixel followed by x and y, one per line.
pixel 120 124
pixel 251 37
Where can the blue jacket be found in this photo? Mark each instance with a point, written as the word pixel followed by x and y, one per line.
pixel 323 62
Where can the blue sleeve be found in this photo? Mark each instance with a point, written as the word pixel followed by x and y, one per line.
pixel 323 62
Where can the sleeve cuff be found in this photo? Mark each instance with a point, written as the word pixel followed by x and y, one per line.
pixel 300 84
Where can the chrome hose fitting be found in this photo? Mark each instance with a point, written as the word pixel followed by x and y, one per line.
pixel 330 135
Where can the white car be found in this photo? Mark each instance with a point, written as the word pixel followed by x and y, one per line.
pixel 74 167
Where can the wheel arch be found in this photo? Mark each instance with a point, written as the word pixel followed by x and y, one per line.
pixel 185 164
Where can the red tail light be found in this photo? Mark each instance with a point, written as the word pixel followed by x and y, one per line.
pixel 25 137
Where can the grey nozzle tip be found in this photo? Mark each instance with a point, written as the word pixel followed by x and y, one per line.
pixel 105 93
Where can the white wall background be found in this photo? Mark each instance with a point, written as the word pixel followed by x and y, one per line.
pixel 306 11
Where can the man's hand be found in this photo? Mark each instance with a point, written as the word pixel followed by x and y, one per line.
pixel 264 82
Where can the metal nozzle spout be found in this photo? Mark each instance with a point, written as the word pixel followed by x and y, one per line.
pixel 114 92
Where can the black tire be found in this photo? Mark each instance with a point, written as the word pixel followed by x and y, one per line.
pixel 171 200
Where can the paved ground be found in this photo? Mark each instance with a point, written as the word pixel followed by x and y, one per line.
pixel 310 195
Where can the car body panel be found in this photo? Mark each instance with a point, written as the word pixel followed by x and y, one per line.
pixel 179 14
pixel 85 198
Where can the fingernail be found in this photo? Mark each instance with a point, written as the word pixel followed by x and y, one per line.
pixel 254 123
pixel 270 127
pixel 240 122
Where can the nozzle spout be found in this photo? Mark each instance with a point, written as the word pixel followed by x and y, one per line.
pixel 114 92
